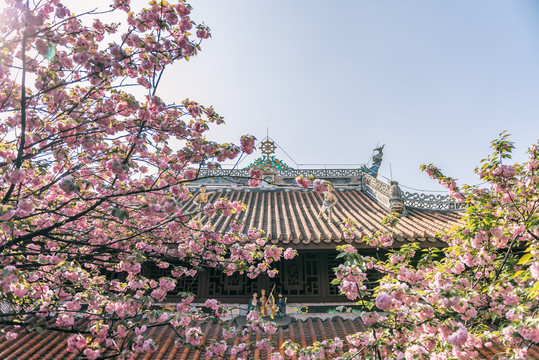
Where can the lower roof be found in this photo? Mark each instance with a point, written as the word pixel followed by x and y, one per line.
pixel 49 345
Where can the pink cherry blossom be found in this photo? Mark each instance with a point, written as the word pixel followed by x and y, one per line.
pixel 91 354
pixel 247 142
pixel 189 174
pixel 319 186
pixel 253 234
pixel 534 270
pixel 383 301
pixel 289 253
pixel 255 173
pixel 16 176
pixel 303 182
pixel 458 337
pixel 76 343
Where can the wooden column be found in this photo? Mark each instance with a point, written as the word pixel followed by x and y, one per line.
pixel 203 284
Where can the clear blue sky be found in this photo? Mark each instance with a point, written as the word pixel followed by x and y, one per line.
pixel 433 80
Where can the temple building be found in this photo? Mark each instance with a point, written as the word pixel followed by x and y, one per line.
pixel 290 217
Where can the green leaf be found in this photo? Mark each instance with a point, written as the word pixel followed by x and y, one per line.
pixel 525 259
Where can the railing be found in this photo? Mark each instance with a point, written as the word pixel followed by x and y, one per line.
pixel 322 173
pixel 288 173
pixel 430 201
pixel 223 173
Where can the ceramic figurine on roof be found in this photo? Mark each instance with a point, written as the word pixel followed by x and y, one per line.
pixel 263 303
pixel 201 199
pixel 254 304
pixel 396 201
pixel 329 202
pixel 376 161
pixel 281 305
pixel 268 307
pixel 271 306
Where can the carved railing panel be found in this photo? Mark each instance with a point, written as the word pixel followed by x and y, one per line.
pixel 5 307
pixel 382 191
pixel 431 201
pixel 287 173
pixel 377 189
pixel 321 173
pixel 223 173
pixel 377 185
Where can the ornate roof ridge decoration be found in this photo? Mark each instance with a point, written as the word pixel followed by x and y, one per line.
pixel 267 162
pixel 431 201
pixel 376 162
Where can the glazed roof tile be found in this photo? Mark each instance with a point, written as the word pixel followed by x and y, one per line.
pixel 289 217
pixel 53 345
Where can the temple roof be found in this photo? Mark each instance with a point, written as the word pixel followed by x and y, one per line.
pixel 289 216
pixel 53 345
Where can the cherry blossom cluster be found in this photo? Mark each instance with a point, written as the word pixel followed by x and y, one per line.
pixel 348 229
pixel 255 177
pixel 247 144
pixel 303 181
pixel 319 185
pixel 352 274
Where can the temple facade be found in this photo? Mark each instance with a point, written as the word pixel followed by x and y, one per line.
pixel 290 217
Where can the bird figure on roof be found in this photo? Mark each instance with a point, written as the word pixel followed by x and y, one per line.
pixel 376 161
pixel 377 158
